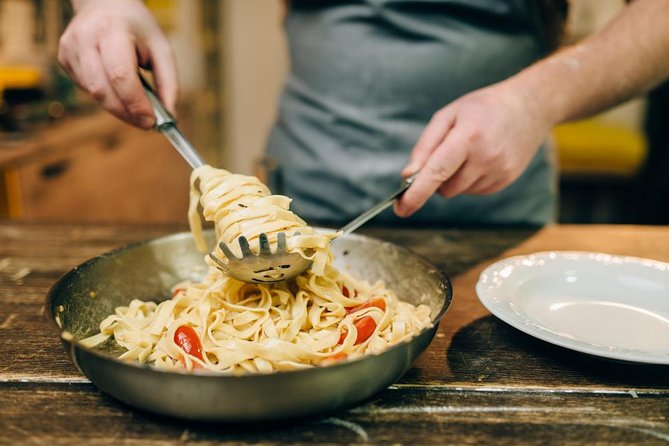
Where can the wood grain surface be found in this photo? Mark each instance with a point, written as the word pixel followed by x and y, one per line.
pixel 480 382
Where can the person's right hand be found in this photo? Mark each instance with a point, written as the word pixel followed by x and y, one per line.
pixel 102 48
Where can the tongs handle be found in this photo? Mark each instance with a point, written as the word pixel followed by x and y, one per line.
pixel 167 125
pixel 163 117
pixel 376 210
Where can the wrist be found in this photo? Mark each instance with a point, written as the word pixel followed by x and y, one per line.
pixel 535 101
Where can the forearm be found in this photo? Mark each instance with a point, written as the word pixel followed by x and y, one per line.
pixel 628 57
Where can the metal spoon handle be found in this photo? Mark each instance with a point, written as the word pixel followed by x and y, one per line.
pixel 167 125
pixel 376 210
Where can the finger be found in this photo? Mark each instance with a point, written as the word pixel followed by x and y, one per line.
pixel 65 55
pixel 92 78
pixel 461 182
pixel 482 185
pixel 165 74
pixel 489 187
pixel 67 68
pixel 119 59
pixel 69 55
pixel 445 161
pixel 433 134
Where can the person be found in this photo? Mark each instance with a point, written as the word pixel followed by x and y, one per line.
pixel 462 92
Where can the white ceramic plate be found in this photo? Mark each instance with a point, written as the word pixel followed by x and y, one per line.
pixel 611 306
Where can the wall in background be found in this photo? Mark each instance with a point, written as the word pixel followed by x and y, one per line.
pixel 254 64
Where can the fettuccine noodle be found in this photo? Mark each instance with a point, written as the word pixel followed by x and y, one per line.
pixel 222 324
pixel 242 205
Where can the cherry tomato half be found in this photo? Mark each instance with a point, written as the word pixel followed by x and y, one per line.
pixel 365 327
pixel 186 338
pixel 378 302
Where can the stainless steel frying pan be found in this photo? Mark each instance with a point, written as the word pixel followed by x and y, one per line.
pixel 79 301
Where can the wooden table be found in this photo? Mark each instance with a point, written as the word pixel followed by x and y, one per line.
pixel 480 382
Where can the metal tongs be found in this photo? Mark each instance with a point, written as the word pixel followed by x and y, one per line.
pixel 266 266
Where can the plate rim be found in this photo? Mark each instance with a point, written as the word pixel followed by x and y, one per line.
pixel 537 331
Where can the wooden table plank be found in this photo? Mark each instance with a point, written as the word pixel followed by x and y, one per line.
pixel 79 413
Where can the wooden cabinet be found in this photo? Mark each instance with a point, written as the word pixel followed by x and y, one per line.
pixel 97 169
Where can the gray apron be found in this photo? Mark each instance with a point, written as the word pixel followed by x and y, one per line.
pixel 366 77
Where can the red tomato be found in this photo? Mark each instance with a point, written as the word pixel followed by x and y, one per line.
pixel 379 303
pixel 365 327
pixel 186 338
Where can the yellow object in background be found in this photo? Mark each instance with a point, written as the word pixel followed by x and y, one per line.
pixel 164 11
pixel 599 148
pixel 19 77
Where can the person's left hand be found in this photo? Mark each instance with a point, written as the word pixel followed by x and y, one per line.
pixel 478 144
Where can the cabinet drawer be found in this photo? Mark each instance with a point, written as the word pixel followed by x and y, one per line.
pixel 130 176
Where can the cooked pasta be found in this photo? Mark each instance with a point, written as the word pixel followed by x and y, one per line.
pixel 241 205
pixel 222 324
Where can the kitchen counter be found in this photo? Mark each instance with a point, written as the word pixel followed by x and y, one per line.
pixel 63 172
pixel 480 382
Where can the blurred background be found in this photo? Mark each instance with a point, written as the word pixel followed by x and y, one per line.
pixel 64 159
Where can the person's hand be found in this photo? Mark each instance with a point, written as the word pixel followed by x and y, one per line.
pixel 102 48
pixel 478 144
